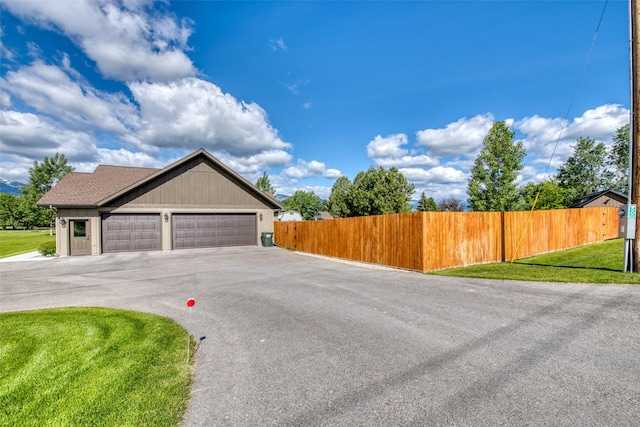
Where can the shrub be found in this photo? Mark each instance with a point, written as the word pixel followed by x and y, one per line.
pixel 47 248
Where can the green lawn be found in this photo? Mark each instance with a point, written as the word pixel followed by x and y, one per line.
pixel 92 367
pixel 16 242
pixel 596 263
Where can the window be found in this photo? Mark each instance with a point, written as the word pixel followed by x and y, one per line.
pixel 79 229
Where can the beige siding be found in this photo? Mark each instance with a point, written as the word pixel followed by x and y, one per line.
pixel 604 202
pixel 197 183
pixel 62 233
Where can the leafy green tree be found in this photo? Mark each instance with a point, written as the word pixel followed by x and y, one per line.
pixel 427 204
pixel 380 191
pixel 9 210
pixel 618 160
pixel 585 171
pixel 492 186
pixel 42 176
pixel 552 196
pixel 338 203
pixel 451 204
pixel 264 184
pixel 305 202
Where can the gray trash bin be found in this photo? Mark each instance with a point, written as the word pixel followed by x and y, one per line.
pixel 267 238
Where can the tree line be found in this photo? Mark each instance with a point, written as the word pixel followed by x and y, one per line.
pixel 492 187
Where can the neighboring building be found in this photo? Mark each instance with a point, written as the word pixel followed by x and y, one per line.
pixel 323 215
pixel 606 198
pixel 289 216
pixel 196 202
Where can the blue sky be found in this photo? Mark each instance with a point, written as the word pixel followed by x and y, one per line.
pixel 308 91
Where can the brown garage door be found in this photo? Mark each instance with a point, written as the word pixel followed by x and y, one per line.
pixel 213 230
pixel 126 233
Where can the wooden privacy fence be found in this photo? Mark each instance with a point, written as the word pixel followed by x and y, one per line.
pixel 428 241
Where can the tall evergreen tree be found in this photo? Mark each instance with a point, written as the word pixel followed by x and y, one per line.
pixel 585 171
pixel 618 160
pixel 338 203
pixel 426 204
pixel 492 186
pixel 264 184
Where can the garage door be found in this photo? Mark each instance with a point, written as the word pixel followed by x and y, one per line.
pixel 213 230
pixel 126 233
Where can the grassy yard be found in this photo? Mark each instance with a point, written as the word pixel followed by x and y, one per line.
pixel 16 242
pixel 92 367
pixel 596 263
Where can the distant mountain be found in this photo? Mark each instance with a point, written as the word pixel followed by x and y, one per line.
pixel 11 187
pixel 281 197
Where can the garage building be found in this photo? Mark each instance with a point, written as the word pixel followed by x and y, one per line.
pixel 196 202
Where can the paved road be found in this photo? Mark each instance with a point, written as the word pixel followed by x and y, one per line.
pixel 299 340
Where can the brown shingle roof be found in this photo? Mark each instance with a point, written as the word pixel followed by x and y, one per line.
pixel 107 183
pixel 88 189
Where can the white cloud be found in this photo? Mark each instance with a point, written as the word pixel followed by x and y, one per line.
pixel 128 40
pixel 50 90
pixel 296 86
pixel 388 152
pixel 407 161
pixel 191 113
pixel 28 135
pixel 462 138
pixel 438 174
pixel 254 165
pixel 541 134
pixel 310 169
pixel 277 44
pixel 5 98
pixel 387 147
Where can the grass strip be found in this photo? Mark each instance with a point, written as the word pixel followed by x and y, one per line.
pixel 16 242
pixel 92 367
pixel 595 263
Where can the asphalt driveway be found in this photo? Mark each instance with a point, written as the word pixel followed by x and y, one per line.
pixel 299 340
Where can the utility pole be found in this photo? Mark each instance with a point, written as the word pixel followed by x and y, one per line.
pixel 634 149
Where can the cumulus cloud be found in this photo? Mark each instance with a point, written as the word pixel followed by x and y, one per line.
pixel 439 175
pixel 191 113
pixel 252 166
pixel 462 137
pixel 541 134
pixel 5 98
pixel 29 135
pixel 310 169
pixel 387 147
pixel 50 90
pixel 388 152
pixel 128 40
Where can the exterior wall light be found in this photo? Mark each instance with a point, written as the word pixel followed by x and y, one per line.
pixel 63 222
pixel 260 216
pixel 166 217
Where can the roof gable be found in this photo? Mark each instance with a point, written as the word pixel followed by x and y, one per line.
pixel 585 200
pixel 116 184
pixel 87 189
